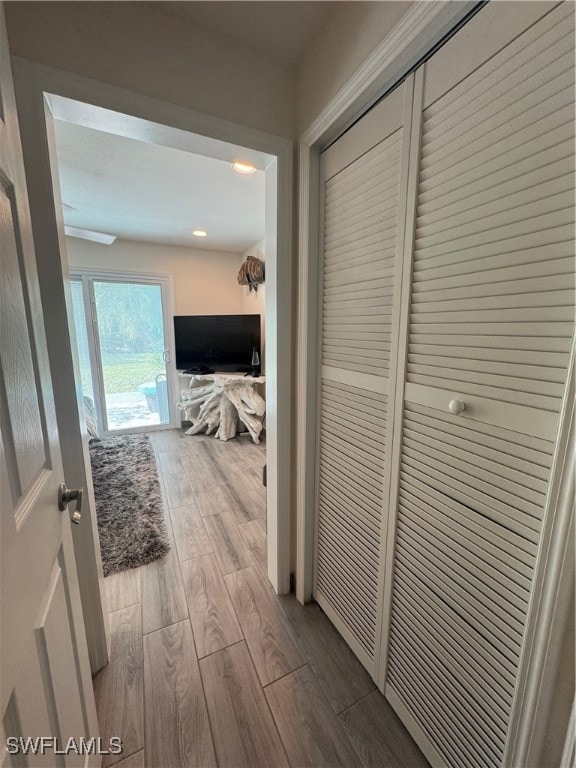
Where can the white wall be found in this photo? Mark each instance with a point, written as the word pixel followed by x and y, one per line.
pixel 204 281
pixel 138 46
pixel 254 302
pixel 343 44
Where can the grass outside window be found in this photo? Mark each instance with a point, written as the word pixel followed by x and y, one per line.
pixel 126 373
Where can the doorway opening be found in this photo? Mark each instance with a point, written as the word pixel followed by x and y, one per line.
pixel 46 95
pixel 132 195
pixel 54 96
pixel 215 505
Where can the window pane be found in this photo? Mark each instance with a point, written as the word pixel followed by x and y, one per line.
pixel 131 338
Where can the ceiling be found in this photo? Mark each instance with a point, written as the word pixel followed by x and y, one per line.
pixel 145 182
pixel 281 30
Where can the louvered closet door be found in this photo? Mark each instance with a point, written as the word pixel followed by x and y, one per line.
pixel 490 326
pixel 363 181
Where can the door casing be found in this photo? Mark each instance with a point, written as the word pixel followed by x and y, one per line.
pixel 33 83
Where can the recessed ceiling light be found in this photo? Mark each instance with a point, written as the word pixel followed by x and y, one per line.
pixel 199 233
pixel 244 167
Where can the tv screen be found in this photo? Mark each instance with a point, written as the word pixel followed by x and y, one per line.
pixel 207 343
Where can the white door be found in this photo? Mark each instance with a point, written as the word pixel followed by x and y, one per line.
pixel 490 329
pixel 365 174
pixel 45 688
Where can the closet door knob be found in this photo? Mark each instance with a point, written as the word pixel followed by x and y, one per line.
pixel 456 407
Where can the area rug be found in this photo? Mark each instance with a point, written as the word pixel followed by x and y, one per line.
pixel 129 509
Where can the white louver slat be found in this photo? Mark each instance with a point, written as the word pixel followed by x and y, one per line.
pixel 363 175
pixel 491 323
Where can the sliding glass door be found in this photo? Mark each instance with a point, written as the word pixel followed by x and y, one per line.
pixel 122 329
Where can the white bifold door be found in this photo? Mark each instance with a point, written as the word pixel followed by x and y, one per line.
pixel 490 328
pixel 444 372
pixel 364 181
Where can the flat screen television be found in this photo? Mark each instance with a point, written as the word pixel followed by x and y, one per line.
pixel 208 343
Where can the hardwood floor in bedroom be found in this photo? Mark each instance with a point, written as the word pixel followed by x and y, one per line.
pixel 208 666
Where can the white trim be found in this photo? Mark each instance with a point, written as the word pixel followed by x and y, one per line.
pixel 417 32
pixel 307 367
pixel 317 415
pixel 33 80
pixel 278 311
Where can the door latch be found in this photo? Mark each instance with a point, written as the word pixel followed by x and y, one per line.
pixel 65 496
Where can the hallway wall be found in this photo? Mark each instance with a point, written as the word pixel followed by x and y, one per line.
pixel 204 281
pixel 198 68
pixel 342 46
pixel 137 46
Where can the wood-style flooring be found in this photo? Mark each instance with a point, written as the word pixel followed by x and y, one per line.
pixel 208 666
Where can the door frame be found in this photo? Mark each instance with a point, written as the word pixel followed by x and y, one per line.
pixel 166 283
pixel 46 683
pixel 33 83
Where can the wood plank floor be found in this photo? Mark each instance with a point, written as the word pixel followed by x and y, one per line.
pixel 209 667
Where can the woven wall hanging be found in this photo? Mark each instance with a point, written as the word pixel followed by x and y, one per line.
pixel 251 273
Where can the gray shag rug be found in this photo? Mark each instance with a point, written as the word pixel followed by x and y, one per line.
pixel 129 506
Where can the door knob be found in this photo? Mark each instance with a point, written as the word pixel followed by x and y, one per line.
pixel 456 407
pixel 65 496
